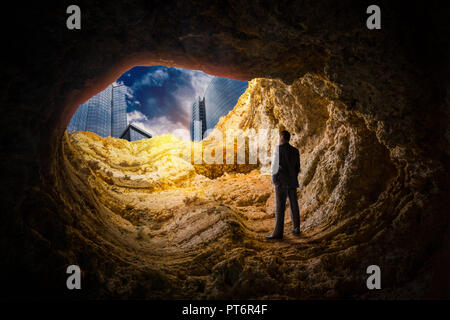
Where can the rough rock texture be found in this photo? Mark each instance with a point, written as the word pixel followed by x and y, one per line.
pixel 344 167
pixel 371 114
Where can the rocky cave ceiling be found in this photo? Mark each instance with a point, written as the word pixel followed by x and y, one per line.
pixel 369 110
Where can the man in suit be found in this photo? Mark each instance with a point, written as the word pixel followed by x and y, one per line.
pixel 285 168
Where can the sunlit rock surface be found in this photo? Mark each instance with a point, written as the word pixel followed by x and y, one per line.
pixel 186 230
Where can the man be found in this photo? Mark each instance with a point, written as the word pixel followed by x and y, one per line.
pixel 285 169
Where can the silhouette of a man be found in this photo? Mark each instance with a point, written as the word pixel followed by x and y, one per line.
pixel 284 170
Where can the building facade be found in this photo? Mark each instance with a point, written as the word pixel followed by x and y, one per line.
pixel 78 121
pixel 105 113
pixel 198 119
pixel 118 110
pixel 221 96
pixel 134 133
pixel 99 113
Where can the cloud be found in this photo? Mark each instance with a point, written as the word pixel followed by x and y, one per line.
pixel 159 125
pixel 196 83
pixel 129 93
pixel 164 97
pixel 154 78
pixel 136 116
pixel 165 92
pixel 198 80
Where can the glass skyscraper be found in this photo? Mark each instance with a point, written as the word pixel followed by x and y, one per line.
pixel 198 119
pixel 78 121
pixel 105 113
pixel 99 113
pixel 118 110
pixel 221 96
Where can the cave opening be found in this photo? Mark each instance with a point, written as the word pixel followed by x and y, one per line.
pixel 153 202
pixel 156 100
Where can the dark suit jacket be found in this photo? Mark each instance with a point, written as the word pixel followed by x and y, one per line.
pixel 288 166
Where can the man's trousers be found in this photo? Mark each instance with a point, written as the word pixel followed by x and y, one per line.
pixel 280 197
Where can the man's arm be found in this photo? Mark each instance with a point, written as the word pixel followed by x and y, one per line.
pixel 297 162
pixel 275 161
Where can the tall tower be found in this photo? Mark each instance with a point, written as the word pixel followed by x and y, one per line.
pixel 78 121
pixel 105 113
pixel 221 96
pixel 99 113
pixel 198 119
pixel 118 110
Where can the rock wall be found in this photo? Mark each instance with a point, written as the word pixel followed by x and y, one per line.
pixel 344 167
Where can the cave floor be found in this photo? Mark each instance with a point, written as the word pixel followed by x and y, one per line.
pixel 211 235
pixel 238 208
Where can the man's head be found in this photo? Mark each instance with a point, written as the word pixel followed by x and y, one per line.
pixel 285 136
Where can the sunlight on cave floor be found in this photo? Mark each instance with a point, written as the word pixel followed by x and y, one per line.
pixel 159 204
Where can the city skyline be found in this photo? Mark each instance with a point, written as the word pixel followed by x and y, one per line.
pixel 159 99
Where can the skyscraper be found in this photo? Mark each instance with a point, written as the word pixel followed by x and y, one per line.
pixel 118 110
pixel 221 96
pixel 198 119
pixel 78 121
pixel 105 113
pixel 99 113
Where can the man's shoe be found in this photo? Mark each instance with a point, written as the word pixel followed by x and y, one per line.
pixel 272 237
pixel 295 231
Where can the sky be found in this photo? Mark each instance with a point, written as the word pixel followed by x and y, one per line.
pixel 159 98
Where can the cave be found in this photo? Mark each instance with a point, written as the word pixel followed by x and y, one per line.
pixel 368 109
